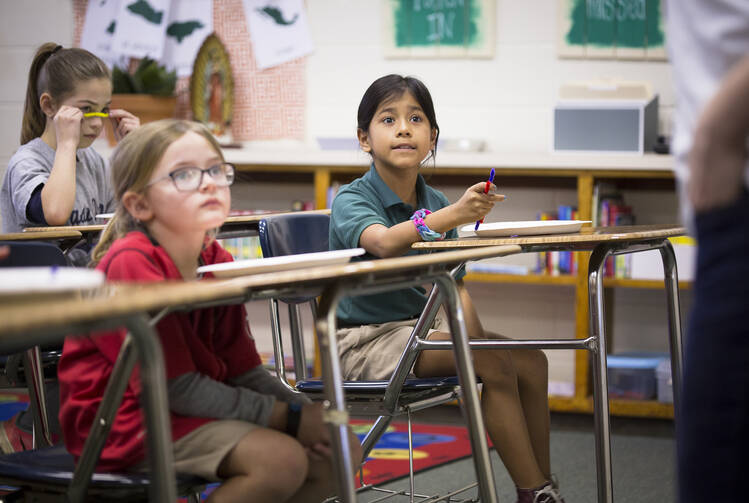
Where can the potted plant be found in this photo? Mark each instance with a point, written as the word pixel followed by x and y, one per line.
pixel 147 92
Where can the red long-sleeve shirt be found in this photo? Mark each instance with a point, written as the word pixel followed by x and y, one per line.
pixel 214 341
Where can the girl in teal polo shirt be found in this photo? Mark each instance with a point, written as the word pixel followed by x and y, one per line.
pixel 385 212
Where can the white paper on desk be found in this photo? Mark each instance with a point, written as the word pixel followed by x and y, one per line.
pixel 141 28
pixel 190 22
pixel 99 27
pixel 278 29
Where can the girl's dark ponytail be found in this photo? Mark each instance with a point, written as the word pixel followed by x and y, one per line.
pixel 34 119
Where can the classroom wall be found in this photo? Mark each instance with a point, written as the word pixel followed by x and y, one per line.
pixel 506 100
pixel 24 26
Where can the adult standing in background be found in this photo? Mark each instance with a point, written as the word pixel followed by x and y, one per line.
pixel 709 48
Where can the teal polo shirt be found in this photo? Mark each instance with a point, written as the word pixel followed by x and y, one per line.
pixel 363 202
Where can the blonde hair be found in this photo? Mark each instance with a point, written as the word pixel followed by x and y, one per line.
pixel 132 165
pixel 56 71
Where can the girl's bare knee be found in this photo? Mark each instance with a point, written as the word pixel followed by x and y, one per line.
pixel 287 464
pixel 495 365
pixel 537 358
pixel 276 461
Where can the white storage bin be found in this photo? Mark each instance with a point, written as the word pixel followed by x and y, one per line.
pixel 664 382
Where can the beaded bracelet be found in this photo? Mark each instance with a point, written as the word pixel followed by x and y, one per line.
pixel 425 232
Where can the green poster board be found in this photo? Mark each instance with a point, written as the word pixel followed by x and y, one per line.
pixel 626 29
pixel 439 28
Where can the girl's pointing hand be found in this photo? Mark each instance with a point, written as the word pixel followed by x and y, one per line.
pixel 474 204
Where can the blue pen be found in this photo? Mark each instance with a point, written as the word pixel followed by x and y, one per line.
pixel 486 191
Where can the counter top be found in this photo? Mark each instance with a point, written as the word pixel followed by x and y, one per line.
pixel 448 159
pixel 298 154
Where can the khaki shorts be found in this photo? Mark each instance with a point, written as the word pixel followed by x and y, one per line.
pixel 371 352
pixel 201 451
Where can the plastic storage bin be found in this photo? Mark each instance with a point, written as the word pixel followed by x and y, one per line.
pixel 665 384
pixel 632 375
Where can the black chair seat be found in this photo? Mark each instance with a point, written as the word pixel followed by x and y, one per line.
pixel 379 387
pixel 51 469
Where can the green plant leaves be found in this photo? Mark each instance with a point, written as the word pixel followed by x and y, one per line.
pixel 149 78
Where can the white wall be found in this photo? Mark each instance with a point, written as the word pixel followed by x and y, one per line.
pixel 506 100
pixel 24 26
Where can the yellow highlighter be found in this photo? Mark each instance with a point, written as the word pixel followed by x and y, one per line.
pixel 96 114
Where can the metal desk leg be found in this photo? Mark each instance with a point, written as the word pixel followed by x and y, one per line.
pixel 336 415
pixel 467 377
pixel 671 279
pixel 142 345
pixel 155 403
pixel 602 425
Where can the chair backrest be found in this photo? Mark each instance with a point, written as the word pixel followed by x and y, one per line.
pixel 36 253
pixel 33 254
pixel 290 234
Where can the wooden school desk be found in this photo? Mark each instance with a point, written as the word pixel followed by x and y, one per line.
pixel 127 304
pixel 366 277
pixel 35 320
pixel 603 242
pixel 233 226
pixel 67 238
pixel 247 225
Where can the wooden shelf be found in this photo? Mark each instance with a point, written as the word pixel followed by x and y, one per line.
pixel 565 279
pixel 617 407
pixel 641 283
pixel 534 279
pixel 322 168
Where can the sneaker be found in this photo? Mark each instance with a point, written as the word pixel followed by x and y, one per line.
pixel 546 493
pixel 12 438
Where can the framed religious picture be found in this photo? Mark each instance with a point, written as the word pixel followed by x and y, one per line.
pixel 212 87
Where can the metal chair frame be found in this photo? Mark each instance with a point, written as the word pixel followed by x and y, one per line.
pixel 381 399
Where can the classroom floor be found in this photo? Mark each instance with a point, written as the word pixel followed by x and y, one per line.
pixel 643 454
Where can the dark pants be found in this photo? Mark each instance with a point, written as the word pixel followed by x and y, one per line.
pixel 713 421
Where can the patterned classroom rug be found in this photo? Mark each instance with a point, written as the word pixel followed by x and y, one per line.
pixel 11 403
pixel 433 444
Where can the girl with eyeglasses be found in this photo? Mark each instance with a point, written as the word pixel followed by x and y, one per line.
pixel 231 420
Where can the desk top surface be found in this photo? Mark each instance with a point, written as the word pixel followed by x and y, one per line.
pixel 117 300
pixel 28 235
pixel 231 220
pixel 587 237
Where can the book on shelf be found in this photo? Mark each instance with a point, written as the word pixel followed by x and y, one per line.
pixel 331 193
pixel 242 248
pixel 609 209
pixel 555 263
pixel 603 191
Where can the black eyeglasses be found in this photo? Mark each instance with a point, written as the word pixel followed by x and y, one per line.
pixel 190 178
